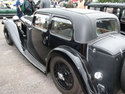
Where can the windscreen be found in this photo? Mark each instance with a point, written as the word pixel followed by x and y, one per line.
pixel 106 25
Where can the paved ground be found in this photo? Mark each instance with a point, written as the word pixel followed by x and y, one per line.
pixel 18 76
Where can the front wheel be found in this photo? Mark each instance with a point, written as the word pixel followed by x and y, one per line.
pixel 64 76
pixel 7 37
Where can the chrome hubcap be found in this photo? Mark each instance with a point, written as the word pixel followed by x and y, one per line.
pixel 61 76
pixel 5 34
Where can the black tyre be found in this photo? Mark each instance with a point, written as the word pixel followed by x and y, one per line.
pixel 64 76
pixel 7 37
pixel 123 77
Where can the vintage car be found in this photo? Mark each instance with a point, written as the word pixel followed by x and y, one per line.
pixel 115 8
pixel 7 11
pixel 82 49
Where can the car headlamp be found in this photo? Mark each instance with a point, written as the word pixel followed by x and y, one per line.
pixel 98 75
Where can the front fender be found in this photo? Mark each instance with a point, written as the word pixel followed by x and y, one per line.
pixel 13 31
pixel 78 65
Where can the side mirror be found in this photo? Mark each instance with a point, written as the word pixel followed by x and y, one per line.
pixel 15 18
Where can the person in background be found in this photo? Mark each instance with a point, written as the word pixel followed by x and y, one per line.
pixel 29 7
pixel 63 3
pixel 0 4
pixel 81 4
pixel 54 3
pixel 70 4
pixel 19 11
pixel 86 3
pixel 45 4
pixel 37 5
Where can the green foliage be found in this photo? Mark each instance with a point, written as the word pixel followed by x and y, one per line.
pixel 103 1
pixel 120 1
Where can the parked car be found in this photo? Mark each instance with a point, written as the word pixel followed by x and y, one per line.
pixel 116 8
pixel 7 11
pixel 82 49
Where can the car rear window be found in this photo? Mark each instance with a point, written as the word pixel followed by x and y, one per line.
pixel 106 25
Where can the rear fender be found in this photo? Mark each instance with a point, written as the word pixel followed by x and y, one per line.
pixel 13 32
pixel 77 64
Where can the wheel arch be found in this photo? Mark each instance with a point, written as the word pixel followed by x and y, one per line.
pixel 77 65
pixel 13 31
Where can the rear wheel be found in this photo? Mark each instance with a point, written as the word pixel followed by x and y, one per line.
pixel 64 76
pixel 7 37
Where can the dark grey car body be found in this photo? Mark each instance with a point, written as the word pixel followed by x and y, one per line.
pixel 102 53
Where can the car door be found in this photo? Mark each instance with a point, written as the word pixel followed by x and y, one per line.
pixel 45 36
pixel 36 37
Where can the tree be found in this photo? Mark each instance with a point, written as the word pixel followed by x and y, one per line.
pixel 103 1
pixel 120 1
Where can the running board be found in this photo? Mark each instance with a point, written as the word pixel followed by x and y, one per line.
pixel 34 61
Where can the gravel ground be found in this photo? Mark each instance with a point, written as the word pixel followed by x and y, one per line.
pixel 18 76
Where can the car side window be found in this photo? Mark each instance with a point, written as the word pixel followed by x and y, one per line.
pixel 62 28
pixel 116 11
pixel 98 9
pixel 41 22
pixel 109 10
pixel 123 16
pixel 92 8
